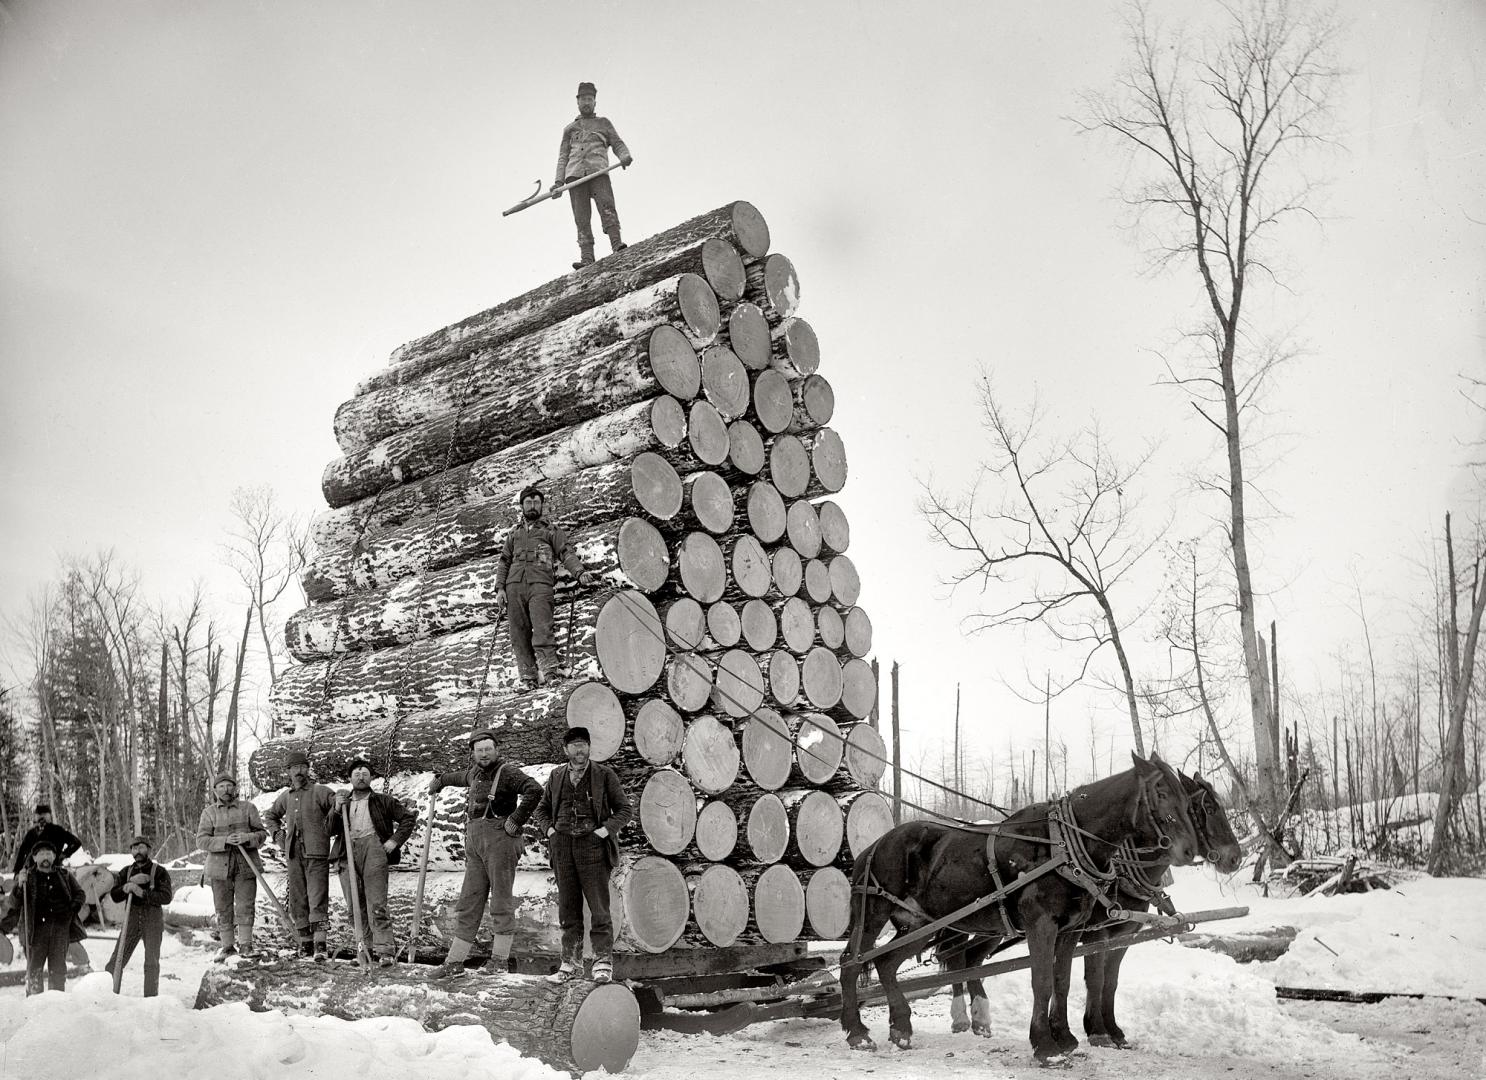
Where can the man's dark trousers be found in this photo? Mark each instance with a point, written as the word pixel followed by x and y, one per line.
pixel 581 864
pixel 49 950
pixel 146 924
pixel 601 193
pixel 529 607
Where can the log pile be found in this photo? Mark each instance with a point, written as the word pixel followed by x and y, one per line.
pixel 669 402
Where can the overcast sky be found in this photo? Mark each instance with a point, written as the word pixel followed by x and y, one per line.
pixel 216 218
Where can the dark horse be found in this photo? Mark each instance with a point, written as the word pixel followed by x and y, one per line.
pixel 919 873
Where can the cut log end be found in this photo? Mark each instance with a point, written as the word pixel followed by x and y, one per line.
pixel 768 749
pixel 773 401
pixel 802 524
pixel 719 901
pixel 674 363
pixel 767 828
pixel 750 230
pixel 686 623
pixel 643 556
pixel 656 486
pixel 725 381
pixel 707 433
pixel 668 812
pixel 801 354
pixel 596 707
pixel 739 688
pixel 630 642
pixel 653 903
pixel 658 731
pixel 724 624
pixel 818 746
pixel 828 903
pixel 746 448
pixel 748 335
pixel 698 304
pixel 702 567
pixel 710 501
pixel 789 466
pixel 778 904
pixel 709 755
pixel 724 269
pixel 828 460
pixel 788 571
pixel 751 569
pixel 835 529
pixel 846 585
pixel 717 831
pixel 765 510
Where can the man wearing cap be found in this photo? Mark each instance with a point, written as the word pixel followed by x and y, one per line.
pixel 584 151
pixel 49 898
pixel 145 885
pixel 501 798
pixel 582 809
pixel 297 820
pixel 231 833
pixel 525 575
pixel 380 825
pixel 62 841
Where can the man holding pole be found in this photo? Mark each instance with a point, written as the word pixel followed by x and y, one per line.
pixel 231 832
pixel 44 906
pixel 501 798
pixel 584 150
pixel 144 887
pixel 380 824
pixel 298 820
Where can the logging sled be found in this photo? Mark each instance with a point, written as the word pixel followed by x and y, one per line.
pixel 668 402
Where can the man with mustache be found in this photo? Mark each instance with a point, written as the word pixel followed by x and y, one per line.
pixel 145 885
pixel 584 151
pixel 380 825
pixel 298 821
pixel 231 832
pixel 49 898
pixel 63 842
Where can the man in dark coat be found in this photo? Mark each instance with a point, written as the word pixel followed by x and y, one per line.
pixel 145 885
pixel 298 822
pixel 501 799
pixel 584 151
pixel 62 841
pixel 48 898
pixel 583 807
pixel 380 825
pixel 525 575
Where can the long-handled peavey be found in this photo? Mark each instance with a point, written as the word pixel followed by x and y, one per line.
pixel 542 196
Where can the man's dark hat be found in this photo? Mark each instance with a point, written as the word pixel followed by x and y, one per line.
pixel 576 734
pixel 359 763
pixel 140 840
pixel 481 736
pixel 225 776
pixel 43 844
pixel 296 757
pixel 530 490
pixel 587 88
pixel 42 808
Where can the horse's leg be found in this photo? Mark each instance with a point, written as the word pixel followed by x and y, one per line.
pixel 980 1005
pixel 874 917
pixel 1042 941
pixel 1062 977
pixel 1116 1035
pixel 899 1017
pixel 959 1016
pixel 1095 975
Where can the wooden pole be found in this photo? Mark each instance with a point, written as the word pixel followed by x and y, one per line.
pixel 959 758
pixel 118 960
pixel 897 754
pixel 874 718
pixel 422 879
pixel 354 897
pixel 1047 727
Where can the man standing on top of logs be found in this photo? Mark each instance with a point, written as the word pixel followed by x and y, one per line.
pixel 583 808
pixel 524 578
pixel 48 897
pixel 63 842
pixel 298 821
pixel 145 885
pixel 585 150
pixel 501 798
pixel 380 825
pixel 230 831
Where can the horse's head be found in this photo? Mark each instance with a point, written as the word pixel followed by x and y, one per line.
pixel 1161 813
pixel 1214 834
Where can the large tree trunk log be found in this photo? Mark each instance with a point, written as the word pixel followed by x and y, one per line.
pixel 667 815
pixel 656 424
pixel 650 903
pixel 646 484
pixel 768 749
pixel 662 362
pixel 628 552
pixel 858 637
pixel 739 687
pixel 528 727
pixel 700 567
pixel 746 456
pixel 828 903
pixel 787 571
pixel 725 381
pixel 656 731
pixel 763 508
pixel 685 621
pixel 760 627
pixel 690 247
pixel 749 335
pixel 820 678
pixel 774 286
pixel 835 530
pixel 816 826
pixel 717 830
pixel 796 349
pixel 577 1025
pixel 707 503
pixel 868 816
pixel 802 525
pixel 709 755
pixel 765 823
pixel 630 642
pixel 719 902
pixel 814 404
pixel 863 760
pixel 685 301
pixel 778 912
pixel 819 746
pixel 689 680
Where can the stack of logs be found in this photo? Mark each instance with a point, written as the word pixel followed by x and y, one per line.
pixel 667 401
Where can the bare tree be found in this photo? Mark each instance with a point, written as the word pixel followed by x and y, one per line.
pixel 267 549
pixel 1060 532
pixel 1219 132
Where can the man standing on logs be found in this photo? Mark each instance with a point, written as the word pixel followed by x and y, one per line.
pixel 63 842
pixel 584 151
pixel 524 578
pixel 297 819
pixel 583 808
pixel 230 831
pixel 501 798
pixel 380 825
pixel 146 887
pixel 48 897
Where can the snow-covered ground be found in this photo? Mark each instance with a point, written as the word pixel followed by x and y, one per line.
pixel 1189 1012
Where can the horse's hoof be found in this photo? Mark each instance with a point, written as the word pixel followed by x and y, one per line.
pixel 959 1026
pixel 1100 1040
pixel 861 1042
pixel 1121 1043
pixel 901 1041
pixel 983 1030
pixel 1067 1044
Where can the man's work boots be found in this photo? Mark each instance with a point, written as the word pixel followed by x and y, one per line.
pixel 615 244
pixel 565 971
pixel 585 256
pixel 603 971
pixel 321 954
pixel 500 954
pixel 453 965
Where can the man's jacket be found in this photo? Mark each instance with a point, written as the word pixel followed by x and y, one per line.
pixel 390 819
pixel 531 553
pixel 156 894
pixel 61 839
pixel 298 821
pixel 218 822
pixel 499 790
pixel 611 806
pixel 585 147
pixel 52 899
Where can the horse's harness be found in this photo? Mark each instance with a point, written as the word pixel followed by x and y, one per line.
pixel 1069 858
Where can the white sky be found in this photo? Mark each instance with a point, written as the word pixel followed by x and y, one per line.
pixel 215 219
